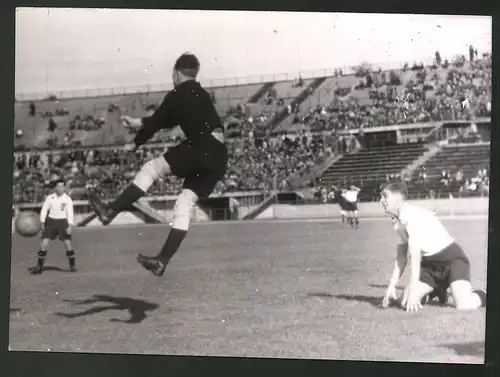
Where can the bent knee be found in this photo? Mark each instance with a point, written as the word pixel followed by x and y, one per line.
pixel 157 167
pixel 464 297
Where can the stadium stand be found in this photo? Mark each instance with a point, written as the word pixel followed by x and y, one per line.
pixel 456 169
pixel 95 121
pixel 369 167
pixel 278 130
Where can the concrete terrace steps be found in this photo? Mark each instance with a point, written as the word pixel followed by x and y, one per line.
pixel 308 90
pixel 130 104
pixel 470 159
pixel 381 161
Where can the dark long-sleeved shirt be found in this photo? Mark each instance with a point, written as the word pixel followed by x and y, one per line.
pixel 188 106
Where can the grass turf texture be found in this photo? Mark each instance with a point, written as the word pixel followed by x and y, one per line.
pixel 269 289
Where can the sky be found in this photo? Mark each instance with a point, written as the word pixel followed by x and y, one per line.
pixel 76 49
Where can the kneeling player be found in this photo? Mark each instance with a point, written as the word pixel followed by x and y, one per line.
pixel 437 262
pixel 57 216
pixel 200 160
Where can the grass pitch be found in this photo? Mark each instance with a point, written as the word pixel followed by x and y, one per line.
pixel 295 289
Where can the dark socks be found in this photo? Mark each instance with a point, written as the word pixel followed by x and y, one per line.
pixel 172 244
pixel 71 257
pixel 357 221
pixel 41 257
pixel 129 196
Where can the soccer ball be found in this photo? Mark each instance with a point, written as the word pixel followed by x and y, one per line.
pixel 28 224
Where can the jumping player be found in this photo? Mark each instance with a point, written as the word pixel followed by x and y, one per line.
pixel 201 159
pixel 351 198
pixel 57 215
pixel 437 262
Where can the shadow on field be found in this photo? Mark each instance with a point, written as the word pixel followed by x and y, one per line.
pixel 320 295
pixel 14 310
pixel 136 308
pixel 434 302
pixel 467 349
pixel 372 300
pixel 384 286
pixel 52 268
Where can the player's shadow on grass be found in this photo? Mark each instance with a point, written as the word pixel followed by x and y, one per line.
pixel 14 310
pixel 136 308
pixel 400 289
pixel 375 301
pixel 383 286
pixel 54 268
pixel 323 295
pixel 467 349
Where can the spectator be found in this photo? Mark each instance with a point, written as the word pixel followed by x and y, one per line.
pixel 438 59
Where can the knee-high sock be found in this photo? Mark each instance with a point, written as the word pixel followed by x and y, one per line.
pixel 180 224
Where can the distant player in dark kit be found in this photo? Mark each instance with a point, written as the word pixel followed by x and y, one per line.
pixel 57 215
pixel 201 159
pixel 339 195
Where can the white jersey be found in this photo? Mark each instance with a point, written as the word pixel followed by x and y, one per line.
pixel 351 196
pixel 421 228
pixel 58 207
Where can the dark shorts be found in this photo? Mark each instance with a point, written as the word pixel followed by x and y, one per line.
pixel 351 207
pixel 56 228
pixel 201 165
pixel 445 267
pixel 343 204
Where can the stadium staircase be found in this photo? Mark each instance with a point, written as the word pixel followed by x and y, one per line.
pixel 260 93
pixel 301 97
pixel 322 96
pixel 433 149
pixel 253 213
pixel 369 167
pixel 468 157
pixel 141 210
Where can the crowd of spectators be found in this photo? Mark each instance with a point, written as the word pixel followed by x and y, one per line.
pixel 262 161
pixel 436 93
pixel 254 165
pixel 453 182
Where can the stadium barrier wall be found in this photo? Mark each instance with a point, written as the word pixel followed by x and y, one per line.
pixel 442 207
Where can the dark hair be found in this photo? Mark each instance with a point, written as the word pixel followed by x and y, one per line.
pixel 57 181
pixel 187 64
pixel 397 187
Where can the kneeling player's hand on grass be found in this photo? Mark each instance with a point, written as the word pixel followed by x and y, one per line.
pixel 68 230
pixel 411 301
pixel 390 296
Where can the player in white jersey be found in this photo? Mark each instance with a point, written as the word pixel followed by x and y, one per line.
pixel 437 262
pixel 57 217
pixel 351 203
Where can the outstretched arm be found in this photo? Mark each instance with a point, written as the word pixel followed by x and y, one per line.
pixel 163 118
